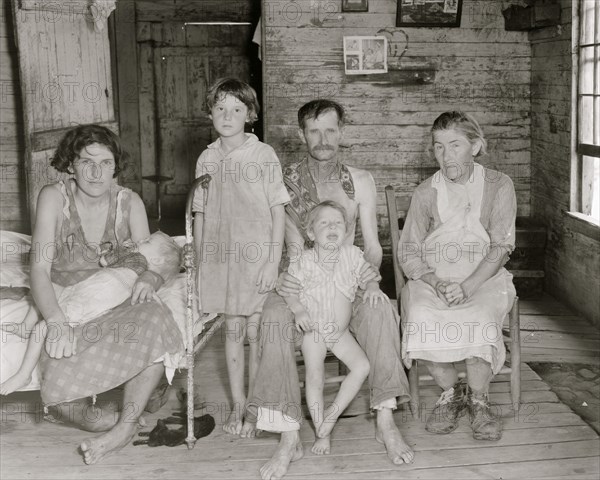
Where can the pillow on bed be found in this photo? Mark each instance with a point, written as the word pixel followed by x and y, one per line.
pixel 15 259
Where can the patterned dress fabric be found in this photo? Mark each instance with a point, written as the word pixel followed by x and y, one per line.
pixel 117 345
pixel 303 191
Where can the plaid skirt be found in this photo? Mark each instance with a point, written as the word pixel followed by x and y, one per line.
pixel 111 350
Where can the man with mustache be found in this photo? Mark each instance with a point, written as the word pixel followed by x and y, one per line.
pixel 276 392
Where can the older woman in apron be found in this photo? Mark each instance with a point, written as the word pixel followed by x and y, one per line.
pixel 459 232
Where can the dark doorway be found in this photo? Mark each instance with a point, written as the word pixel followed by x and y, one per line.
pixel 181 49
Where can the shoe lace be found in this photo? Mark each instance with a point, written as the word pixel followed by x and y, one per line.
pixel 483 401
pixel 446 397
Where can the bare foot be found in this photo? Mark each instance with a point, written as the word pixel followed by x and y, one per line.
pixel 18 380
pixel 388 434
pixel 329 421
pixel 94 449
pixel 99 420
pixel 289 450
pixel 248 430
pixel 233 425
pixel 322 446
pixel 91 418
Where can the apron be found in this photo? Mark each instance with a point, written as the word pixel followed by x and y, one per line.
pixel 434 331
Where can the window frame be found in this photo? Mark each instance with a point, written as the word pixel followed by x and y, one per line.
pixel 576 218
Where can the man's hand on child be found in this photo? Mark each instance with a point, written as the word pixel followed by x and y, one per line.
pixel 303 323
pixel 287 285
pixel 369 273
pixel 373 294
pixel 267 277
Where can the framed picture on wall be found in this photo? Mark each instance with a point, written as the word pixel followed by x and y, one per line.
pixel 355 5
pixel 429 13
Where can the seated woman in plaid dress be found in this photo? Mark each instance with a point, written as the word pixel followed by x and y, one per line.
pixel 74 218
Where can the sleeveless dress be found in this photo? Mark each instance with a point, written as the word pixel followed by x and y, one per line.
pixel 118 345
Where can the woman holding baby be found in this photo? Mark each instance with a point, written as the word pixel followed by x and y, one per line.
pixel 76 220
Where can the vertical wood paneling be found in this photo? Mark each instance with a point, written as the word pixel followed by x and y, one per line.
pixel 572 259
pixel 479 67
pixel 147 120
pixel 13 214
pixel 124 50
pixel 197 68
pixel 192 62
pixel 67 64
pixel 65 80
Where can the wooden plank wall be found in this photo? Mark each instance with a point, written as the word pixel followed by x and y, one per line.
pixel 14 213
pixel 66 80
pixel 480 68
pixel 572 258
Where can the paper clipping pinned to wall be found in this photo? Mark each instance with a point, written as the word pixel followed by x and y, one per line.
pixel 365 55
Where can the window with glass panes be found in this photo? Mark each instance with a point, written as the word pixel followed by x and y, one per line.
pixel 587 200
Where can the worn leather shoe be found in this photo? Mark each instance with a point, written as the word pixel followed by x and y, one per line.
pixel 448 409
pixel 485 425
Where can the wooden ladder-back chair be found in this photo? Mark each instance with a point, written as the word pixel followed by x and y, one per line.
pixel 192 344
pixel 397 206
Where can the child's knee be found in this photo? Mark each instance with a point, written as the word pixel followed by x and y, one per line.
pixel 235 330
pixel 253 333
pixel 363 368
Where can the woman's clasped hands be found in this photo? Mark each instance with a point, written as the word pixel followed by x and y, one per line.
pixel 451 293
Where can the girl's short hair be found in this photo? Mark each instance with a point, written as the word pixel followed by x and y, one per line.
pixel 75 140
pixel 311 216
pixel 463 122
pixel 240 90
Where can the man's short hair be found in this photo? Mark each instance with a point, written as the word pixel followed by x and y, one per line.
pixel 315 108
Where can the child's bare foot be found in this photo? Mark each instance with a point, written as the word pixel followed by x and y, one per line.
pixel 14 383
pixel 233 425
pixel 248 430
pixel 322 446
pixel 329 421
pixel 94 449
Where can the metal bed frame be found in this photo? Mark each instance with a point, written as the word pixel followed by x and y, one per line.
pixel 191 346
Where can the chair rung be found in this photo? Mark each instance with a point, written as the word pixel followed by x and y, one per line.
pixel 504 370
pixel 427 377
pixel 206 335
pixel 338 379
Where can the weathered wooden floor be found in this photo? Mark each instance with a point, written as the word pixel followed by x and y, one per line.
pixel 551 332
pixel 544 440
